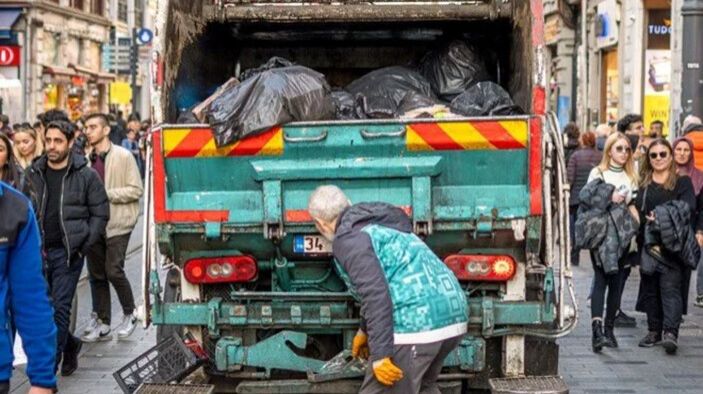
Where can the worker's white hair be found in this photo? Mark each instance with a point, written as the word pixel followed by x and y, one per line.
pixel 327 203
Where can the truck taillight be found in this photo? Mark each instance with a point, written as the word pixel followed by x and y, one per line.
pixel 220 269
pixel 476 267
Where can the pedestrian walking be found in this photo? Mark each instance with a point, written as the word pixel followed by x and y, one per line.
pixel 11 172
pixel 5 125
pixel 577 172
pixel 633 127
pixel 118 169
pixel 131 143
pixel 656 129
pixel 686 166
pixel 73 212
pixel 573 136
pixel 662 277
pixel 616 172
pixel 28 145
pixel 24 297
pixel 414 312
pixel 602 133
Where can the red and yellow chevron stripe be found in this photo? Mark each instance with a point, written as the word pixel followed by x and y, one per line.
pixel 183 143
pixel 508 134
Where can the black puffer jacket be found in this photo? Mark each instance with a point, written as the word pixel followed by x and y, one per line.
pixel 602 226
pixel 85 209
pixel 673 232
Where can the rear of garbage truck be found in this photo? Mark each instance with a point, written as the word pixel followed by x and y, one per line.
pixel 251 280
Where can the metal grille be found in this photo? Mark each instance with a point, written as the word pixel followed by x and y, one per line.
pixel 149 388
pixel 531 385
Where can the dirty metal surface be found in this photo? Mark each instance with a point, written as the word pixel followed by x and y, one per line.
pixel 149 388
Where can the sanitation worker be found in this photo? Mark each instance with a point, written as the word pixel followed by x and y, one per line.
pixel 414 312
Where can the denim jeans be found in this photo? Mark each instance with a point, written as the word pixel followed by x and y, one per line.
pixel 62 277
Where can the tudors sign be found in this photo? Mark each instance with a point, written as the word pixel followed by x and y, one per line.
pixel 9 56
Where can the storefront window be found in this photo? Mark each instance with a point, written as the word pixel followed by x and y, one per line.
pixel 610 82
pixel 97 7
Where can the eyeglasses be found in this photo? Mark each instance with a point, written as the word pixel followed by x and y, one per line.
pixel 662 155
pixel 622 148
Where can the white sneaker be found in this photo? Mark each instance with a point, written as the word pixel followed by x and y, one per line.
pixel 99 334
pixel 92 324
pixel 129 323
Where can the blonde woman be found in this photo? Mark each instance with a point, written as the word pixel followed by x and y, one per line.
pixel 616 168
pixel 28 145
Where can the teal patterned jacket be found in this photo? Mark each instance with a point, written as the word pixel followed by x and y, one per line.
pixel 407 294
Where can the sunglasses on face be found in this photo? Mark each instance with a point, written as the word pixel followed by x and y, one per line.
pixel 661 155
pixel 622 148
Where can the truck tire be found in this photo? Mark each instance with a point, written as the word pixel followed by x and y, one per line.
pixel 172 293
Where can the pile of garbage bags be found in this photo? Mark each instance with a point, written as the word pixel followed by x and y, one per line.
pixel 452 81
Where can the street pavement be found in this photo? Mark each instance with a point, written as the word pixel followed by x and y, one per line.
pixel 628 369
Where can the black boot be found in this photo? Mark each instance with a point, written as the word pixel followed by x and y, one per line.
pixel 609 335
pixel 670 342
pixel 599 339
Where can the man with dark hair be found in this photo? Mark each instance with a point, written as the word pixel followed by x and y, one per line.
pixel 25 296
pixel 573 134
pixel 118 169
pixel 633 127
pixel 656 129
pixel 73 212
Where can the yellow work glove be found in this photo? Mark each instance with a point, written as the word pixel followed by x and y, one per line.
pixel 386 372
pixel 360 346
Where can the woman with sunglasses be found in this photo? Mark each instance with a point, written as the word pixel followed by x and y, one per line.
pixel 660 295
pixel 616 168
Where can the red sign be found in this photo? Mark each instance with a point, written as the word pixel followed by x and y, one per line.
pixel 10 56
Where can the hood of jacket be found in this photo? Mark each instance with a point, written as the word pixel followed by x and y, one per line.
pixel 359 215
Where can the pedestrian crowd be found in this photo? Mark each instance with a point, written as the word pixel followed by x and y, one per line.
pixel 637 202
pixel 69 193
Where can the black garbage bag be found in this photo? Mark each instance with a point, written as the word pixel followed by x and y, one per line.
pixel 269 98
pixel 485 99
pixel 453 69
pixel 274 62
pixel 345 107
pixel 389 92
pixel 186 116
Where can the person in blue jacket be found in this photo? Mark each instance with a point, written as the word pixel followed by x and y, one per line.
pixel 23 293
pixel 413 310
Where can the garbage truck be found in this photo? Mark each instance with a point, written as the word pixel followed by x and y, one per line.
pixel 232 259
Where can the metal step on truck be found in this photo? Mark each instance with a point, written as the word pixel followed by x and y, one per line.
pixel 251 281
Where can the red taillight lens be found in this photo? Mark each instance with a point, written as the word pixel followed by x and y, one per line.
pixel 478 267
pixel 221 269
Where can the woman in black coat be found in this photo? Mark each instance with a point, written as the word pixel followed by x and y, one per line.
pixel 660 292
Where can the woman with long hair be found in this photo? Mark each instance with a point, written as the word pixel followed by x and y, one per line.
pixel 660 295
pixel 686 165
pixel 616 168
pixel 28 145
pixel 10 172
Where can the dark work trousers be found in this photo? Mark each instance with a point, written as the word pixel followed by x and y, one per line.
pixel 572 223
pixel 4 387
pixel 421 365
pixel 699 281
pixel 62 279
pixel 601 283
pixel 660 297
pixel 105 267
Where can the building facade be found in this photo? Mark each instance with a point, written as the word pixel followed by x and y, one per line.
pixel 60 44
pixel 63 57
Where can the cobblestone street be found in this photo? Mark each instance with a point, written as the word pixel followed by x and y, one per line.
pixel 631 369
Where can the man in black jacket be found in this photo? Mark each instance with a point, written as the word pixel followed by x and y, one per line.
pixel 73 211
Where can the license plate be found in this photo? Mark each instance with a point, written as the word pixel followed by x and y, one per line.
pixel 311 244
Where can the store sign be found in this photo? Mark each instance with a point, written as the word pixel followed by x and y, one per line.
pixel 9 56
pixel 607 20
pixel 658 29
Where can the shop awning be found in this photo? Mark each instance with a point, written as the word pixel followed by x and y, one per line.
pixel 105 77
pixel 8 17
pixel 59 74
